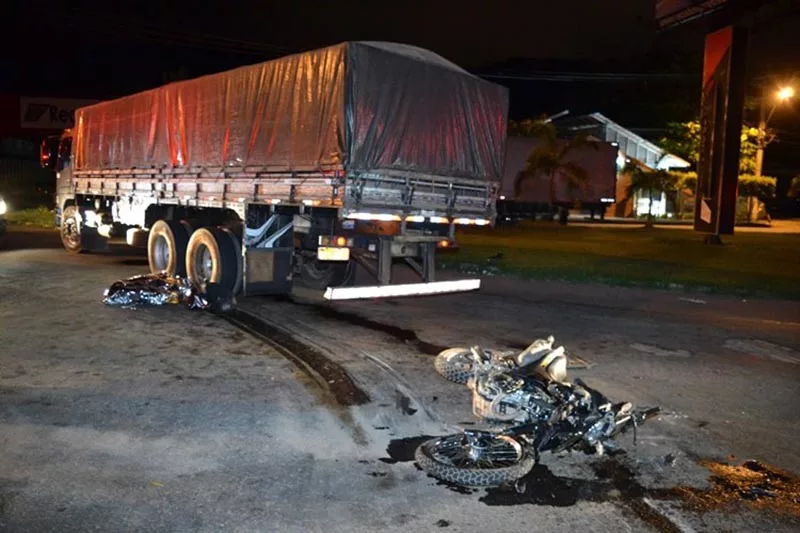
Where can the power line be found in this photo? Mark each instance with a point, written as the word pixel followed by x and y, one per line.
pixel 585 76
pixel 136 30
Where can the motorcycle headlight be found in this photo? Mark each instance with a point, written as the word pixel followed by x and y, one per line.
pixel 3 207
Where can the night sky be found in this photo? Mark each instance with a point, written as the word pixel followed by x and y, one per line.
pixel 103 49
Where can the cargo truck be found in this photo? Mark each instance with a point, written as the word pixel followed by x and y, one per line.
pixel 290 171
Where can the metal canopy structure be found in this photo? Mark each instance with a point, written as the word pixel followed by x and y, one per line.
pixel 671 13
pixel 631 145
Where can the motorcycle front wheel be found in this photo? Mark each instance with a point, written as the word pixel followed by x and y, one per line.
pixel 486 460
pixel 454 364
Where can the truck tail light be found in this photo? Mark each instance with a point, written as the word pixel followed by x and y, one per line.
pixel 335 241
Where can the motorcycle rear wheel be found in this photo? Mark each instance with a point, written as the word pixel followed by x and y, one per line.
pixel 449 458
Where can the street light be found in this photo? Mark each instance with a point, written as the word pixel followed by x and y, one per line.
pixel 782 95
pixel 785 93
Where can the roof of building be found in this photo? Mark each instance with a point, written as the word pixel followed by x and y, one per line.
pixel 630 144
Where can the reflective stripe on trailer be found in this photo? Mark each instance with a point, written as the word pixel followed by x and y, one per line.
pixel 409 289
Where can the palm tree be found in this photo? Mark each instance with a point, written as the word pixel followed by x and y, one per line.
pixel 548 157
pixel 652 181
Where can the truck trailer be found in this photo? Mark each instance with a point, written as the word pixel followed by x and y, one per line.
pixel 529 197
pixel 290 171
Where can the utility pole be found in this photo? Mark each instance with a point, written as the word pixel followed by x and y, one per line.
pixel 762 132
pixel 782 95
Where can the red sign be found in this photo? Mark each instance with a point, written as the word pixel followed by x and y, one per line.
pixel 720 130
pixel 49 113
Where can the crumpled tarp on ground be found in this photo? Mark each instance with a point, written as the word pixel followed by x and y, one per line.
pixel 357 106
pixel 154 289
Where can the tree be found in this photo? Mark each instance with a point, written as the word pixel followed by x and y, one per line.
pixel 652 181
pixel 682 181
pixel 756 189
pixel 549 157
pixel 683 140
pixel 794 187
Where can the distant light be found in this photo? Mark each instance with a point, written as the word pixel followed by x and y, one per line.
pixel 502 197
pixel 607 200
pixel 620 160
pixel 3 207
pixel 785 93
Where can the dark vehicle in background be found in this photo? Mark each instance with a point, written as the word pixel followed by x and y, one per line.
pixel 531 199
pixel 293 170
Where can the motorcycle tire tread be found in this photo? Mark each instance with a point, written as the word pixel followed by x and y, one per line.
pixel 452 371
pixel 468 477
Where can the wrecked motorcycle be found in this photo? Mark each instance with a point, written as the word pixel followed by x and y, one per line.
pixel 460 364
pixel 154 289
pixel 540 411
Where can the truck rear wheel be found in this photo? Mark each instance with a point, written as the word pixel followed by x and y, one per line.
pixel 211 258
pixel 316 274
pixel 166 247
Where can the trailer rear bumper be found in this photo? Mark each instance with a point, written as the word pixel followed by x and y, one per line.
pixel 408 289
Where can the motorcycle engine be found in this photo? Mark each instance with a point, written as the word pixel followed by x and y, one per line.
pixel 500 397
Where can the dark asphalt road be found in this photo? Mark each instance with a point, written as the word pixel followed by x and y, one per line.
pixel 169 419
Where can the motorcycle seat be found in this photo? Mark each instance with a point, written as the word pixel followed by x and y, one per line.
pixel 551 364
pixel 537 350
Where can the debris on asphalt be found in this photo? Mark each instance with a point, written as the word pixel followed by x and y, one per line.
pixel 670 459
pixel 759 485
pixel 479 270
pixel 154 289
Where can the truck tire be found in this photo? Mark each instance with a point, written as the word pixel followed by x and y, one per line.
pixel 236 240
pixel 71 230
pixel 211 258
pixel 320 275
pixel 166 247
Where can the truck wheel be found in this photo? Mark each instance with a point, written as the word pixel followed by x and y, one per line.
pixel 71 230
pixel 166 247
pixel 211 258
pixel 237 250
pixel 320 275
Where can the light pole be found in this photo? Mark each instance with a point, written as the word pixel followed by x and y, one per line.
pixel 782 95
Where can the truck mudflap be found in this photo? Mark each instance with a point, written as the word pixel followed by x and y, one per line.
pixel 408 289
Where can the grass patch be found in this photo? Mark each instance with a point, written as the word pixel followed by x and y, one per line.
pixel 750 263
pixel 37 216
